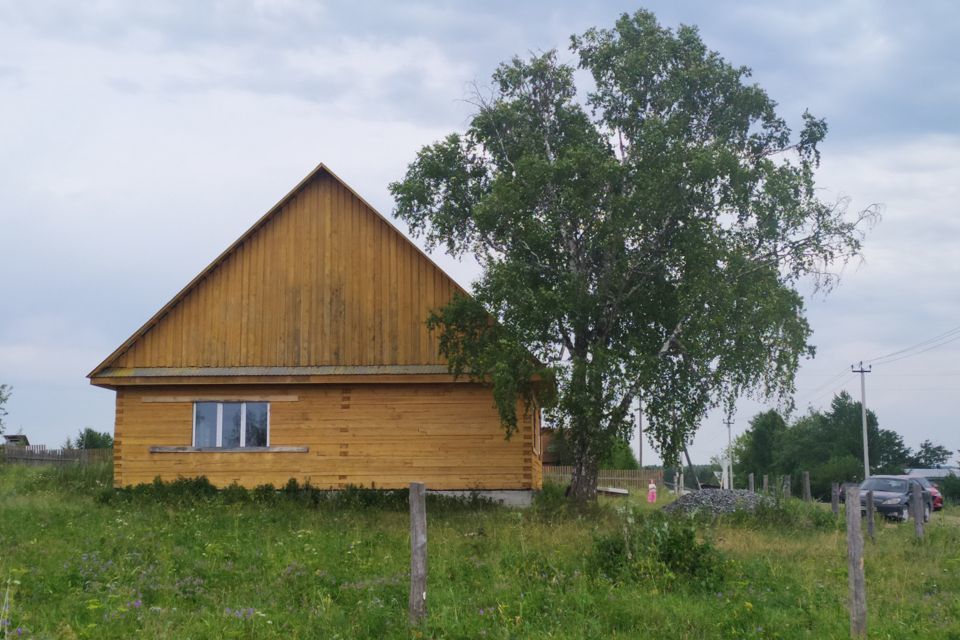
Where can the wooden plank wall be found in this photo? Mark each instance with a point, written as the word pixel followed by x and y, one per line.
pixel 446 435
pixel 325 281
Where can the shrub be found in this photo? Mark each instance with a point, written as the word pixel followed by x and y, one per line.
pixel 950 488
pixel 657 547
pixel 551 500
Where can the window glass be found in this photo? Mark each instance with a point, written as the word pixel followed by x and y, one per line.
pixel 205 424
pixel 231 425
pixel 885 484
pixel 256 424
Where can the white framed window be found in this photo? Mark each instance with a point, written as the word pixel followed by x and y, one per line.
pixel 231 425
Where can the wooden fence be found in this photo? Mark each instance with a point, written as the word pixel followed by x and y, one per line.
pixel 634 479
pixel 37 455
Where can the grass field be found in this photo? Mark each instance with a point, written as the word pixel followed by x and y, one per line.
pixel 76 562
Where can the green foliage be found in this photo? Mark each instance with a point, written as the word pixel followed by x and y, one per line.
pixel 657 548
pixel 476 347
pixel 5 391
pixel 200 490
pixel 929 456
pixel 839 468
pixel 86 479
pixel 950 487
pixel 704 473
pixel 828 444
pixel 784 515
pixel 754 450
pixel 90 439
pixel 618 456
pixel 647 238
pixel 216 568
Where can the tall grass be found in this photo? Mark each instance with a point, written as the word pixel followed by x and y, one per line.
pixel 83 561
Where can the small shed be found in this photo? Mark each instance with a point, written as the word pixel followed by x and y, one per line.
pixel 302 352
pixel 16 440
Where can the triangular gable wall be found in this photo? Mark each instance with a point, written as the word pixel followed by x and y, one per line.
pixel 321 280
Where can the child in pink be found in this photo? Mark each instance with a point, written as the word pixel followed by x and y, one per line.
pixel 652 492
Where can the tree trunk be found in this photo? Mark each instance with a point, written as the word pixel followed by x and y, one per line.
pixel 583 485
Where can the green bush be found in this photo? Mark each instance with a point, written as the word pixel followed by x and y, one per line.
pixel 551 500
pixel 950 488
pixel 844 468
pixel 659 548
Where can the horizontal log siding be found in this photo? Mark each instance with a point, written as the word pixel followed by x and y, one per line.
pixel 446 435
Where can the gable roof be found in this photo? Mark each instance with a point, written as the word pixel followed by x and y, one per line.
pixel 361 287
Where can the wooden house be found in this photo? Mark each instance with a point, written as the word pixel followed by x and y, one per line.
pixel 302 352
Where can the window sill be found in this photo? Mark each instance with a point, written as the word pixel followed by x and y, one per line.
pixel 229 449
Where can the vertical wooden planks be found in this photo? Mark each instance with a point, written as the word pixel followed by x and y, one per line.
pixel 326 349
pixel 392 296
pixel 378 291
pixel 322 281
pixel 368 289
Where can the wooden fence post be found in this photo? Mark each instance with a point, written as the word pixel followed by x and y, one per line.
pixel 917 503
pixel 417 607
pixel 870 525
pixel 835 498
pixel 806 486
pixel 855 575
pixel 750 486
pixel 766 483
pixel 786 486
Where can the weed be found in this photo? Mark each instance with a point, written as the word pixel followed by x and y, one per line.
pixel 659 548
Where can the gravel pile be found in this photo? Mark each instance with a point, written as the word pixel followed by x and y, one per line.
pixel 718 501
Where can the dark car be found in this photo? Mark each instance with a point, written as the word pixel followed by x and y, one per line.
pixel 932 488
pixel 891 496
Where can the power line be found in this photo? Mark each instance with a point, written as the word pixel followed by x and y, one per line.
pixel 831 382
pixel 833 389
pixel 916 353
pixel 946 334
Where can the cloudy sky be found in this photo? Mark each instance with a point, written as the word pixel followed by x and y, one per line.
pixel 138 140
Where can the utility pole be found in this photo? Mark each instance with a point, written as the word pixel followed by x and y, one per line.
pixel 729 422
pixel 863 415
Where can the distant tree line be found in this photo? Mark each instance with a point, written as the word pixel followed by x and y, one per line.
pixel 828 444
pixel 90 439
